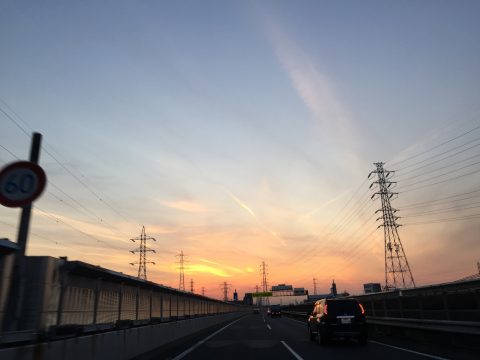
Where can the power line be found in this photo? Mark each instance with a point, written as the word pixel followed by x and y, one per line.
pixel 438 160
pixel 440 200
pixel 443 174
pixel 440 182
pixel 469 217
pixel 435 147
pixel 88 188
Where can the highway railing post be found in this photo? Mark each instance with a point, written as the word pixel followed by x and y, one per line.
pixel 98 289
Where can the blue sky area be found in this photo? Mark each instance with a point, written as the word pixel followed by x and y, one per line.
pixel 243 131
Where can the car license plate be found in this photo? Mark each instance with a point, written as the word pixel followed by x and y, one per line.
pixel 346 321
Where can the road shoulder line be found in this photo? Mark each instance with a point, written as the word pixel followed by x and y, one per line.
pixel 190 349
pixel 408 350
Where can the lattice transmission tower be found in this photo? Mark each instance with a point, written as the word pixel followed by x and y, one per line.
pixel 314 286
pixel 142 250
pixel 192 289
pixel 264 271
pixel 397 269
pixel 225 287
pixel 181 267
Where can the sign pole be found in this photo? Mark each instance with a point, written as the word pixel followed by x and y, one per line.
pixel 27 209
pixel 17 286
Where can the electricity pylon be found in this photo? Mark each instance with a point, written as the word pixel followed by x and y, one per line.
pixel 264 271
pixel 397 269
pixel 314 286
pixel 142 250
pixel 225 287
pixel 181 267
pixel 191 286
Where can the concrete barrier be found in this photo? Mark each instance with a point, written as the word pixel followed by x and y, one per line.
pixel 115 345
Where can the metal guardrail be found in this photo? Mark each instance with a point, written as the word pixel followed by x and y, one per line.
pixel 447 326
pixel 456 327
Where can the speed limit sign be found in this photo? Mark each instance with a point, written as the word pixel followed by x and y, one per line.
pixel 21 182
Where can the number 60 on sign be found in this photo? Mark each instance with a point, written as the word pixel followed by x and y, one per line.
pixel 21 182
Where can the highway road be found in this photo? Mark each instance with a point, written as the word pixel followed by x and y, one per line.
pixel 256 336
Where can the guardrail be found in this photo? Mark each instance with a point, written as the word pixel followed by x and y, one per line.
pixel 445 326
pixel 71 298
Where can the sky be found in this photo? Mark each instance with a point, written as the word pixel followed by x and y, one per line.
pixel 244 131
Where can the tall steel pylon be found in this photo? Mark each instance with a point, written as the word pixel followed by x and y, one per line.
pixel 314 286
pixel 264 270
pixel 181 267
pixel 142 250
pixel 225 287
pixel 397 269
pixel 191 286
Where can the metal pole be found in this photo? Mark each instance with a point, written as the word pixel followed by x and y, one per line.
pixel 17 287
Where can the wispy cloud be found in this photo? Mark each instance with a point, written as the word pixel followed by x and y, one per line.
pixel 203 268
pixel 313 86
pixel 188 206
pixel 250 211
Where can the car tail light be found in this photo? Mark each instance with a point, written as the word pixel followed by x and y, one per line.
pixel 325 309
pixel 361 308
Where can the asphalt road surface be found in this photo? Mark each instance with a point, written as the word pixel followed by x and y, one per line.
pixel 256 336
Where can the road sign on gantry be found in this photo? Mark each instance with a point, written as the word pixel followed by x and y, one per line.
pixel 21 182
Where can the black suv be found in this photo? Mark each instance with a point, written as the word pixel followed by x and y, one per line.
pixel 275 310
pixel 337 318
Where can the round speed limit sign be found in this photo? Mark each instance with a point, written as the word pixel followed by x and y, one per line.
pixel 21 182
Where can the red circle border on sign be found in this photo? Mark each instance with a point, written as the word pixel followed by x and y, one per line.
pixel 42 180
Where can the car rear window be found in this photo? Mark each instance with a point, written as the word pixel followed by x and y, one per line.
pixel 343 307
pixel 275 307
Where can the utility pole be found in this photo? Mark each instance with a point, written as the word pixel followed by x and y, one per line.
pixel 225 288
pixel 142 250
pixel 191 286
pixel 181 262
pixel 314 286
pixel 264 271
pixel 203 291
pixel 397 269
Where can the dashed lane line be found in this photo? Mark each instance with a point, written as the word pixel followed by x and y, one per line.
pixel 298 357
pixel 269 327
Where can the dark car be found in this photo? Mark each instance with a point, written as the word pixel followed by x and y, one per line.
pixel 256 310
pixel 275 310
pixel 337 318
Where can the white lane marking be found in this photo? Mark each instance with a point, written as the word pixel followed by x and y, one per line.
pixel 394 347
pixel 268 326
pixel 408 350
pixel 189 350
pixel 298 357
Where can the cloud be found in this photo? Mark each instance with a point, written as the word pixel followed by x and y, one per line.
pixel 202 268
pixel 188 206
pixel 314 87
